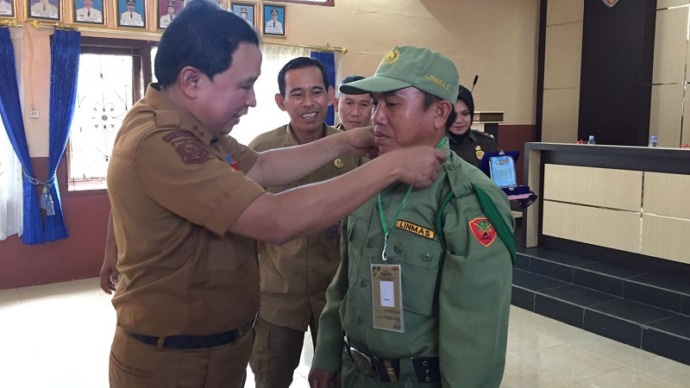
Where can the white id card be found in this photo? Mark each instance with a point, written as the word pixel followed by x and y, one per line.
pixel 386 289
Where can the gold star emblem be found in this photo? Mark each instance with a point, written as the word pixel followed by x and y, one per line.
pixel 338 163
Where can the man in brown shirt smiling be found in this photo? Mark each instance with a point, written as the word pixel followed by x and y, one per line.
pixel 295 275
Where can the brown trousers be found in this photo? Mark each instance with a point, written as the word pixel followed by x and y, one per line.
pixel 134 364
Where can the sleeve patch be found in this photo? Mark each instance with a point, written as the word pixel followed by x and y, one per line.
pixel 483 231
pixel 191 151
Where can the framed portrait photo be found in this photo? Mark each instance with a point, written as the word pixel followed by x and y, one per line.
pixel 88 11
pixel 43 9
pixel 274 20
pixel 167 11
pixel 131 13
pixel 8 9
pixel 246 11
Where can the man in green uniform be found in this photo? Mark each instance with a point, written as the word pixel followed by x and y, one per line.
pixel 354 110
pixel 423 290
pixel 188 205
pixel 294 276
pixel 469 144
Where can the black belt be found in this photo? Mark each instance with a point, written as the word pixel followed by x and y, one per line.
pixel 196 341
pixel 426 368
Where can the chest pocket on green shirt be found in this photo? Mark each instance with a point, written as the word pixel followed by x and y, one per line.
pixel 420 260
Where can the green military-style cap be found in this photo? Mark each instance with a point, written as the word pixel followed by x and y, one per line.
pixel 407 66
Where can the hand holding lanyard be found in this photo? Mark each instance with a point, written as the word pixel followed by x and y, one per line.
pixel 384 224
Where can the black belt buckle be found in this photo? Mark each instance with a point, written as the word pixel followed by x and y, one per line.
pixel 364 362
pixel 383 370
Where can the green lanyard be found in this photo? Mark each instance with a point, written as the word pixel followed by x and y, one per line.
pixel 384 224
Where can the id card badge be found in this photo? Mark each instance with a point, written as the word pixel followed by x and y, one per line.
pixel 386 290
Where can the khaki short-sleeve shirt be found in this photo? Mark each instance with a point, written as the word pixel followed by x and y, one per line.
pixel 295 275
pixel 174 191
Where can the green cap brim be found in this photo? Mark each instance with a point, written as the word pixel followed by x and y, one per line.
pixel 375 84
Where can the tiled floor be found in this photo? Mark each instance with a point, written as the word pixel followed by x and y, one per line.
pixel 59 335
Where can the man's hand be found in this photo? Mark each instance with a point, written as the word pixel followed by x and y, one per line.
pixel 108 273
pixel 319 378
pixel 362 141
pixel 418 165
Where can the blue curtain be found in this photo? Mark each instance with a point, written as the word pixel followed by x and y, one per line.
pixel 11 113
pixel 328 59
pixel 64 69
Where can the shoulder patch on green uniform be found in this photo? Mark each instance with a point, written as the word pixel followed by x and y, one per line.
pixel 416 229
pixel 483 231
pixel 189 148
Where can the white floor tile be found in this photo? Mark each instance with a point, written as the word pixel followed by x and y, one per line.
pixel 570 362
pixel 664 369
pixel 627 378
pixel 59 335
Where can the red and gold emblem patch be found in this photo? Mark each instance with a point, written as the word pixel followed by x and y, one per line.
pixel 189 148
pixel 483 231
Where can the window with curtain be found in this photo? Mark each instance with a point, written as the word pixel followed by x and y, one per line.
pixel 112 75
pixel 104 96
pixel 11 191
pixel 111 79
pixel 10 188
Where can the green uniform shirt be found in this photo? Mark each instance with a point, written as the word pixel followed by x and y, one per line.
pixel 472 146
pixel 456 301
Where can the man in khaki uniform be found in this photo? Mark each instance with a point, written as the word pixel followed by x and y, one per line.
pixel 294 276
pixel 354 110
pixel 423 290
pixel 187 204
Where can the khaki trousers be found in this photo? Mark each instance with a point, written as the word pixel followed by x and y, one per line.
pixel 134 364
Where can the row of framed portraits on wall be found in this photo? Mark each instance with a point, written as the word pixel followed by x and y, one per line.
pixel 269 20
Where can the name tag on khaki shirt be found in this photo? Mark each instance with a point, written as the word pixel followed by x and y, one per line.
pixel 386 289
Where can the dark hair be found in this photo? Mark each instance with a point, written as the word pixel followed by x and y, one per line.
pixel 465 96
pixel 203 36
pixel 351 78
pixel 300 63
pixel 347 80
pixel 430 99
